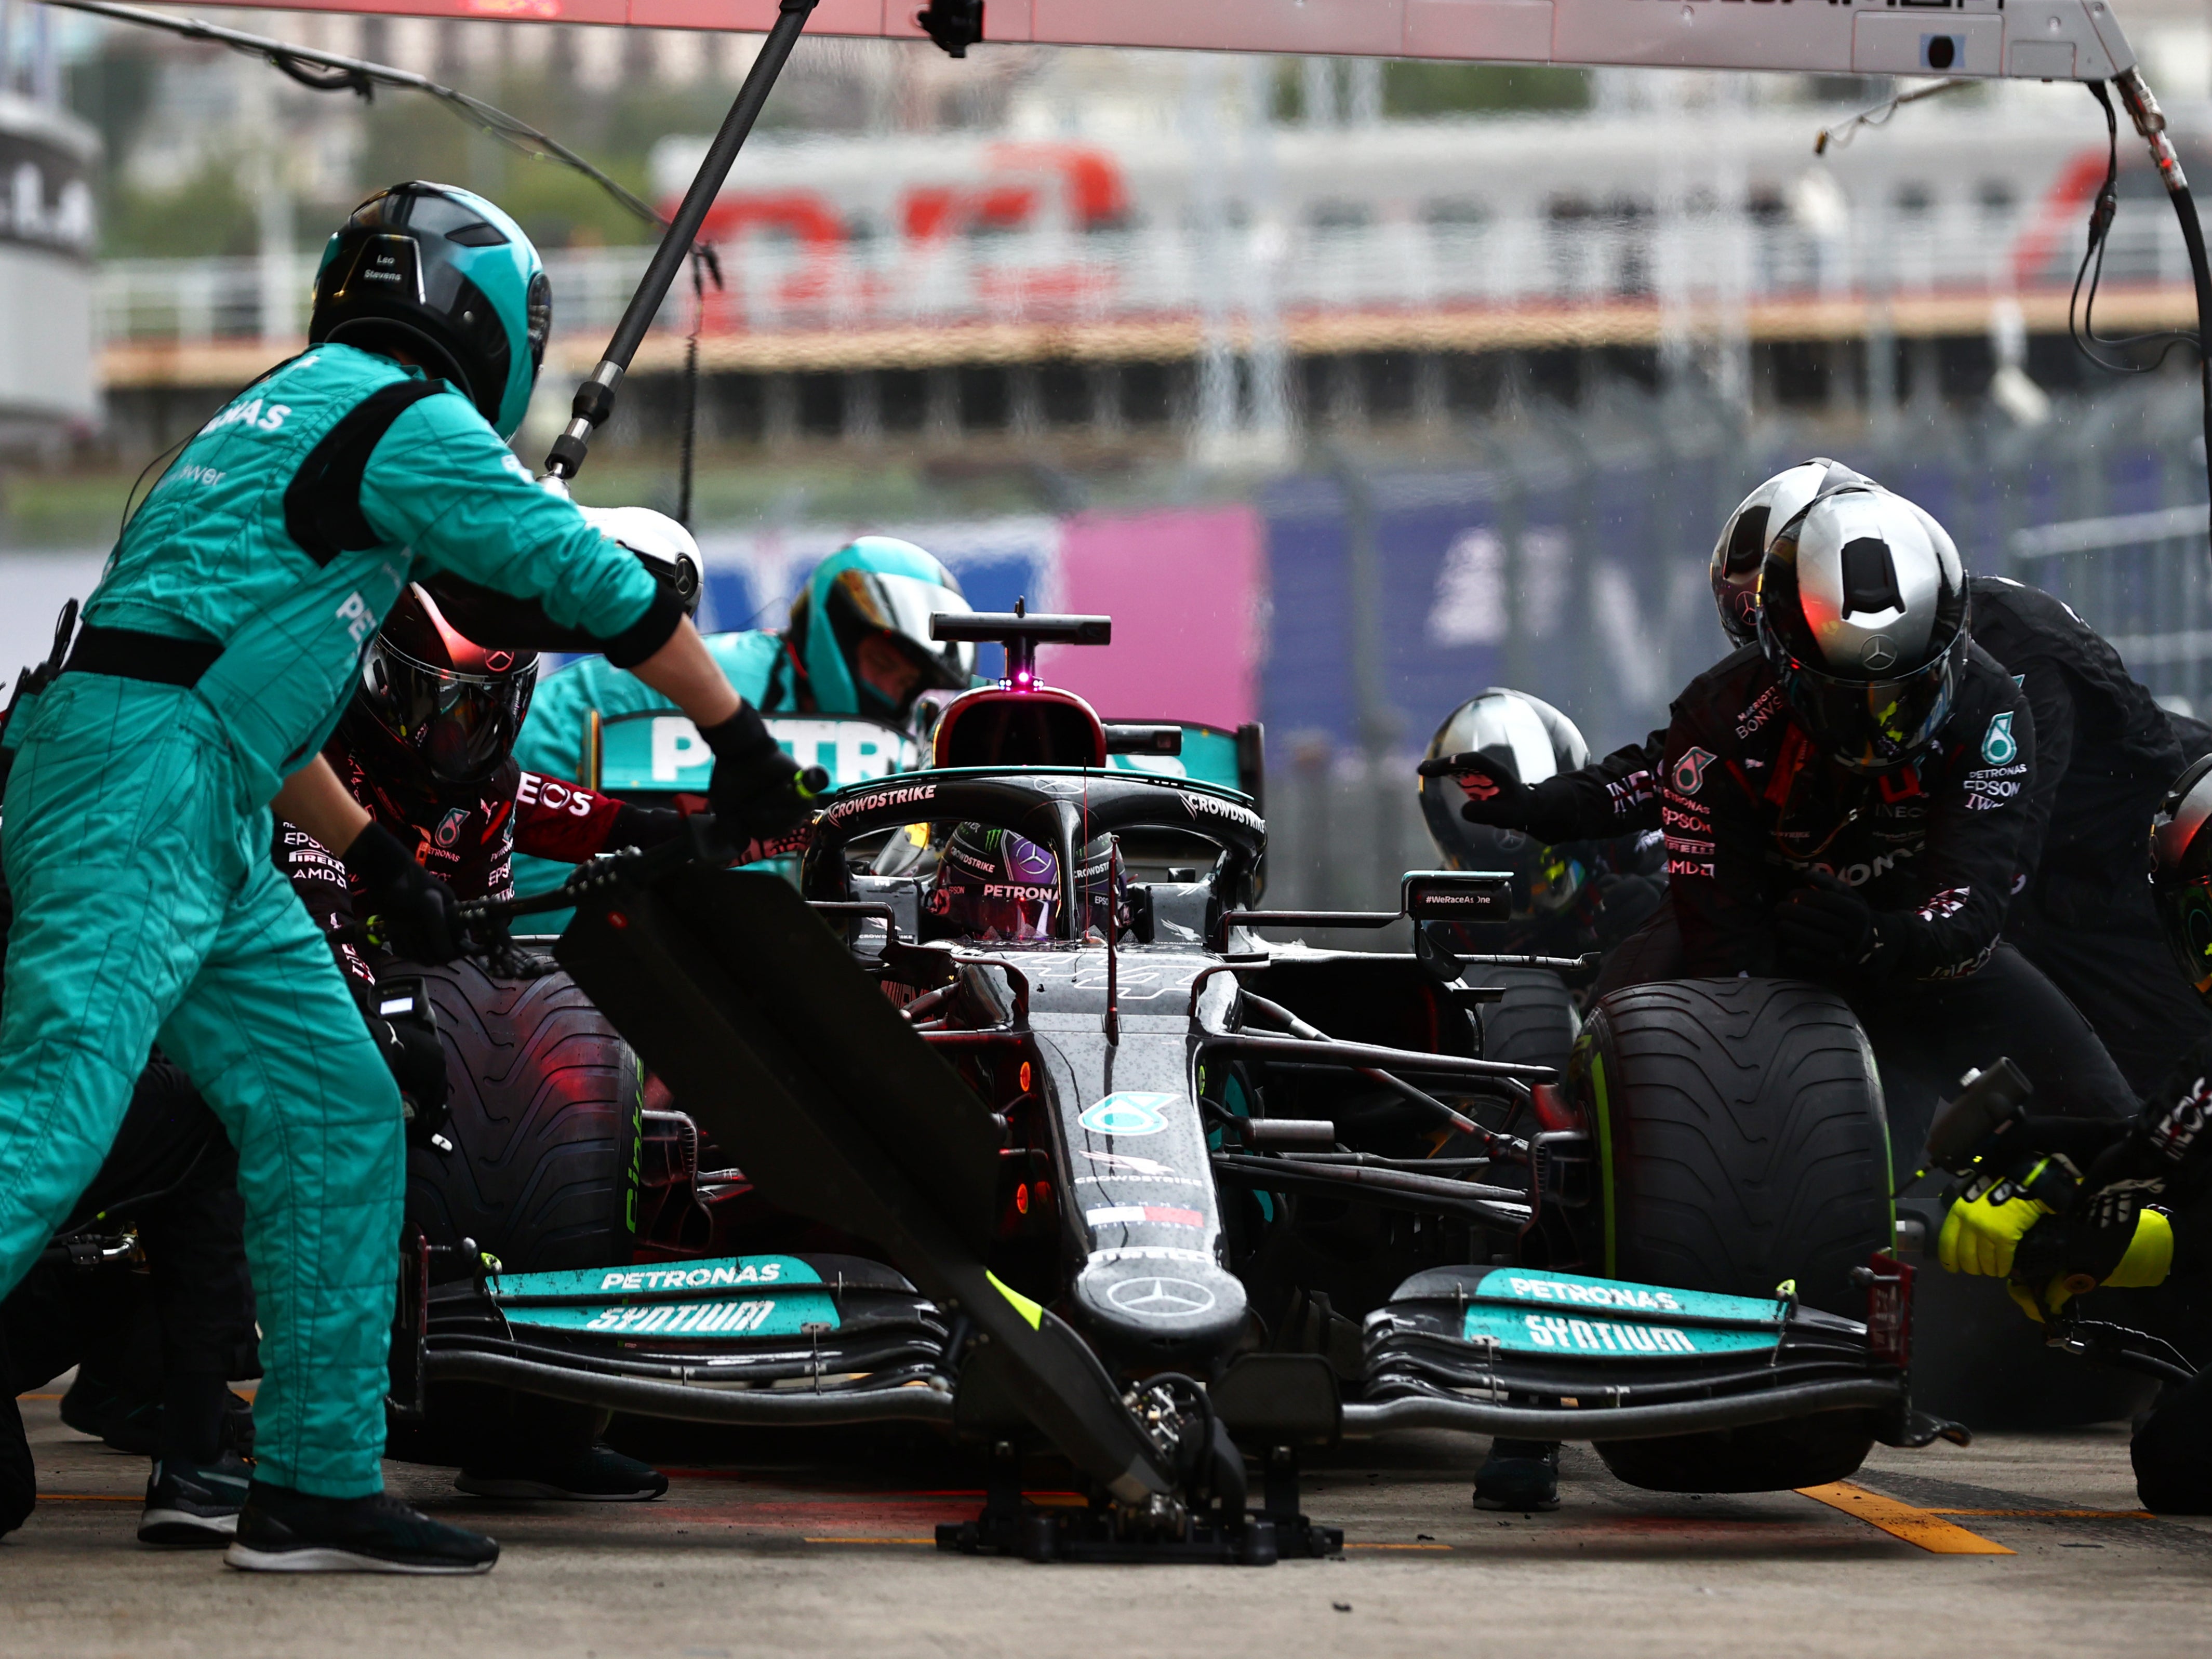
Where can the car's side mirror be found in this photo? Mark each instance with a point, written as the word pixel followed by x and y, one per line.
pixel 1429 896
pixel 1458 895
pixel 1125 739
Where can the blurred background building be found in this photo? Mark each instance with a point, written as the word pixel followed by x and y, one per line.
pixel 1349 387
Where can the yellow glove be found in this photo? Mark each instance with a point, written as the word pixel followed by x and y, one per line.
pixel 1979 1238
pixel 2146 1261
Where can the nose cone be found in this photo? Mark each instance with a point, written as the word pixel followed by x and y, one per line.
pixel 1140 1305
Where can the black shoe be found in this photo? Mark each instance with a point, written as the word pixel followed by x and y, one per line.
pixel 1519 1474
pixel 195 1508
pixel 599 1474
pixel 93 1407
pixel 281 1530
pixel 127 1425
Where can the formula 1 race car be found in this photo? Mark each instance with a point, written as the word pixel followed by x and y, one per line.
pixel 1157 1195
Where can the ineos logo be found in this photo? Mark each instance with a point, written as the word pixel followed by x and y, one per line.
pixel 1161 1298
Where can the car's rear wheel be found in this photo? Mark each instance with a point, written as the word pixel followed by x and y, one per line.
pixel 1534 1024
pixel 1741 1143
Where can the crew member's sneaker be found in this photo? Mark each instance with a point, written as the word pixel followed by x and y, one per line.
pixel 195 1508
pixel 95 1408
pixel 1519 1474
pixel 281 1530
pixel 128 1424
pixel 598 1474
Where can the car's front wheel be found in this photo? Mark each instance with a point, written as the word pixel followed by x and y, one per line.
pixel 1741 1143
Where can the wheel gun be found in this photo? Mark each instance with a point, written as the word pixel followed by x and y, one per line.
pixel 1979 1138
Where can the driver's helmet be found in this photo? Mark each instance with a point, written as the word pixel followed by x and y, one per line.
pixel 2181 871
pixel 446 277
pixel 860 629
pixel 1862 614
pixel 432 707
pixel 1526 735
pixel 1752 527
pixel 995 884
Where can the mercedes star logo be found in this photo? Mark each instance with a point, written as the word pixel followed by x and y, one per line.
pixel 1881 652
pixel 1161 1298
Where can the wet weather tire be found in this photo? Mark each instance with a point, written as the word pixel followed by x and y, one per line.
pixel 1533 1024
pixel 545 1099
pixel 1741 1143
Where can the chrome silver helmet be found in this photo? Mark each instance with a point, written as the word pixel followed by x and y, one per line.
pixel 1511 730
pixel 1750 529
pixel 1862 614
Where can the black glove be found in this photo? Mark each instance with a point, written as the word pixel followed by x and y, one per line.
pixel 417 912
pixel 1624 903
pixel 2082 1141
pixel 417 1062
pixel 643 826
pixel 1825 927
pixel 1494 795
pixel 2127 1174
pixel 754 794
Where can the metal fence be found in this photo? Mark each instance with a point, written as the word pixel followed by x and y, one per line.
pixel 2145 581
pixel 1167 271
pixel 1572 566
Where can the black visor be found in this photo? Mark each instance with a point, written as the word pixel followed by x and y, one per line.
pixel 1871 725
pixel 460 727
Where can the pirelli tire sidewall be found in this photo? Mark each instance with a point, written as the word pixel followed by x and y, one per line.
pixel 1534 1024
pixel 546 1107
pixel 1741 1142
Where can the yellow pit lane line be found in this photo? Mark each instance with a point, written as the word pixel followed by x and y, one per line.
pixel 1925 1528
pixel 1399 1547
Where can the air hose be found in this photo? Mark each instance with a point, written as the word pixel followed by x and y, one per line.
pixel 2150 121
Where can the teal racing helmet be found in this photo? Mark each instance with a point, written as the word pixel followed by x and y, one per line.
pixel 443 276
pixel 860 629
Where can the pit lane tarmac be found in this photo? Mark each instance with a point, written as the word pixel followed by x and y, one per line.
pixel 818 1544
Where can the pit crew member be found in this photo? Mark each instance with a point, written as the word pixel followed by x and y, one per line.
pixel 425 746
pixel 1619 795
pixel 1569 897
pixel 2105 752
pixel 2143 1209
pixel 217 654
pixel 857 644
pixel 1848 802
pixel 171 1179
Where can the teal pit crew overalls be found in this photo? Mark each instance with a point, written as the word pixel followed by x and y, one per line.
pixel 137 841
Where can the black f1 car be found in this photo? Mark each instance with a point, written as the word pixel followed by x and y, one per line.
pixel 1164 1196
